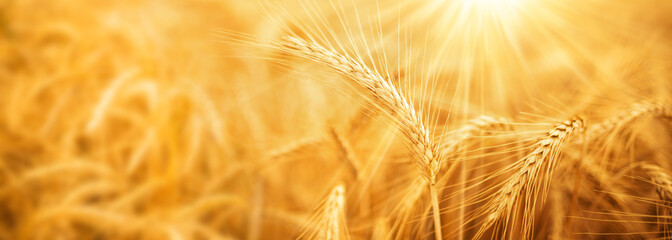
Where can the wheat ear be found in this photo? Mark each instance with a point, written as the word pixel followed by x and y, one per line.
pixel 389 99
pixel 334 209
pixel 532 177
pixel 663 183
pixel 636 112
pixel 475 127
pixel 472 129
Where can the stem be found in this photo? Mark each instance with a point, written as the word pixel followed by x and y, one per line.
pixel 436 210
pixel 463 190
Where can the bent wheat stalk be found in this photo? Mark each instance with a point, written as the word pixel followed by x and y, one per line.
pixel 531 179
pixel 389 99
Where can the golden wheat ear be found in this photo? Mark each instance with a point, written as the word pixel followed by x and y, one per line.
pixel 479 126
pixel 531 180
pixel 329 220
pixel 389 99
pixel 636 112
pixel 663 182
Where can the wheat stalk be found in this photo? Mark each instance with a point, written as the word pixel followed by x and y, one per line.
pixel 388 98
pixel 345 152
pixel 295 147
pixel 532 177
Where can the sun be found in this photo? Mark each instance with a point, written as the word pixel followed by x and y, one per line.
pixel 496 4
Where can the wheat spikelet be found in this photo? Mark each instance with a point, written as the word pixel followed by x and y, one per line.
pixel 661 179
pixel 388 98
pixel 663 183
pixel 532 177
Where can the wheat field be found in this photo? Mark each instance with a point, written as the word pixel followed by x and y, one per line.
pixel 335 119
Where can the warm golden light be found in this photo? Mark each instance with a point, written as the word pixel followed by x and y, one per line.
pixel 335 120
pixel 495 5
